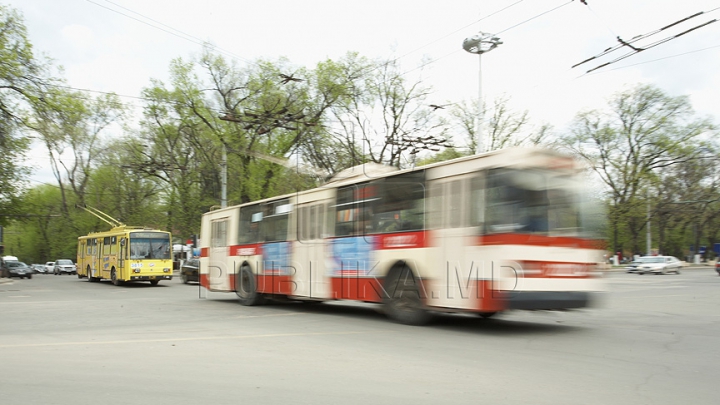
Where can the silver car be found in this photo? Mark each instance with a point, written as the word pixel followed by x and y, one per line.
pixel 655 265
pixel 18 269
pixel 64 266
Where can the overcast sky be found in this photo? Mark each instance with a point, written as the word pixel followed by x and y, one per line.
pixel 120 45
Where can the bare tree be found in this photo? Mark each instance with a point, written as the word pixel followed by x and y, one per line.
pixel 387 117
pixel 504 128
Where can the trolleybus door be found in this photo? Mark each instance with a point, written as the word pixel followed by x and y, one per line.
pixel 310 278
pixel 455 284
pixel 122 255
pixel 219 270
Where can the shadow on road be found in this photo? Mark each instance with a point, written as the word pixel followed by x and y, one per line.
pixel 501 324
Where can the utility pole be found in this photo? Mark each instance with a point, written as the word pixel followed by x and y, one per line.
pixel 649 235
pixel 223 178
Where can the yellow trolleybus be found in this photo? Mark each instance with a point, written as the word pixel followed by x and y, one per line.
pixel 124 253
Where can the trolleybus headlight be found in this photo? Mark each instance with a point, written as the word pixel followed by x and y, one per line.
pixel 166 270
pixel 136 270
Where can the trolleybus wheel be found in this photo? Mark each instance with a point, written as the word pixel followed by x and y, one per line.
pixel 402 301
pixel 114 278
pixel 246 287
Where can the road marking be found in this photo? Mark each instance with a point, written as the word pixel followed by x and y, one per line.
pixel 188 339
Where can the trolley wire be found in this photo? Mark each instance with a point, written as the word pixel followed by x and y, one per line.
pixel 640 48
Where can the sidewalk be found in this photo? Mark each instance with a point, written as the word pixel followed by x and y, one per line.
pixel 4 280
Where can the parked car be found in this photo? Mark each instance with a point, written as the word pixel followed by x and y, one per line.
pixel 38 268
pixel 49 267
pixel 3 268
pixel 64 266
pixel 18 269
pixel 655 265
pixel 189 270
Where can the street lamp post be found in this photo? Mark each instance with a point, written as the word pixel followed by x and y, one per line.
pixel 479 44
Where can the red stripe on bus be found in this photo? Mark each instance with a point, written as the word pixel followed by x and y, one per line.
pixel 246 250
pixel 402 240
pixel 204 252
pixel 204 281
pixel 489 299
pixel 539 269
pixel 273 284
pixel 539 240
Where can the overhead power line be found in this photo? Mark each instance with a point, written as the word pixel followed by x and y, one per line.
pixel 634 43
pixel 165 28
pixel 499 32
pixel 658 59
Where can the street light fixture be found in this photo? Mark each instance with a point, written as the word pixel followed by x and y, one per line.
pixel 479 44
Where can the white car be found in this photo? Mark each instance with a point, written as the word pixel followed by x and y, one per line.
pixel 49 267
pixel 655 265
pixel 64 266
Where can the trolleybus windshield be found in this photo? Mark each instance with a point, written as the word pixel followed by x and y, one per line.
pixel 149 245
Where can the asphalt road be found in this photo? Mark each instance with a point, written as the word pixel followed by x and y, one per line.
pixel 652 340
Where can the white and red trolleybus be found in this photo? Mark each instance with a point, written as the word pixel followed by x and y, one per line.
pixel 486 233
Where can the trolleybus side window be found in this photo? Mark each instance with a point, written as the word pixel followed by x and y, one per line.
pixel 303 226
pixel 249 229
pixel 434 206
pixel 275 222
pixel 477 201
pixel 507 206
pixel 454 202
pixel 401 204
pixel 531 201
pixel 106 246
pixel 219 233
pixel 90 244
pixel 345 210
pixel 353 215
pixel 311 222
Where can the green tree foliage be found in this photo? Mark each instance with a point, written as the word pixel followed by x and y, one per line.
pixel 23 81
pixel 644 133
pixel 70 125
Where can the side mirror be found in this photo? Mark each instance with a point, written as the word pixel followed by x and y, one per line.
pixel 122 242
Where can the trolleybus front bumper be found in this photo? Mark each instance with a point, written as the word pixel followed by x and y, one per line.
pixel 149 278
